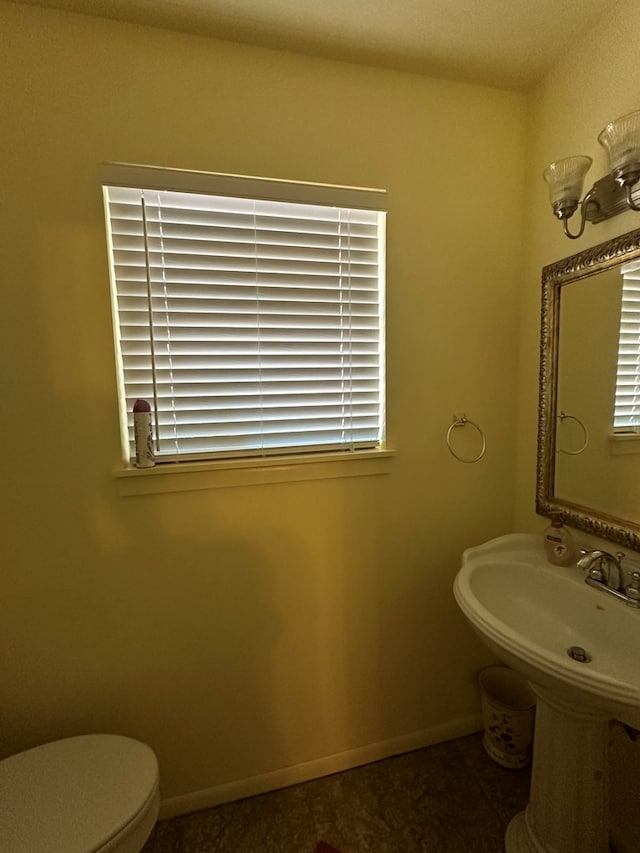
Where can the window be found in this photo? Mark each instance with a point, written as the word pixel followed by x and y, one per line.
pixel 249 313
pixel 627 401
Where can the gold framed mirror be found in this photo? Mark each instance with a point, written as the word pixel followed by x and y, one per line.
pixel 588 466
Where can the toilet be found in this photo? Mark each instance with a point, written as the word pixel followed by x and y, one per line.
pixel 85 794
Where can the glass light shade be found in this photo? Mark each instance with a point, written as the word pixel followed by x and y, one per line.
pixel 565 179
pixel 621 141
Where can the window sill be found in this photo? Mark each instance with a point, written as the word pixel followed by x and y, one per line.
pixel 623 444
pixel 190 476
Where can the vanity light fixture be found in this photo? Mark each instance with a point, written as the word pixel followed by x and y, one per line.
pixel 608 196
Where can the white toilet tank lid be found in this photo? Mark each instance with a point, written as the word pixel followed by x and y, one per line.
pixel 74 795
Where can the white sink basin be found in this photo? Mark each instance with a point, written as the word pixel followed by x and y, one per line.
pixel 530 613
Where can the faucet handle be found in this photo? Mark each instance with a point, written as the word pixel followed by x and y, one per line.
pixel 591 561
pixel 632 590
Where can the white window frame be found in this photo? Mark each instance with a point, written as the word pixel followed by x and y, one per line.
pixel 180 181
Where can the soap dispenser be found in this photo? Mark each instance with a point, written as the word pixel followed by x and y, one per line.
pixel 558 542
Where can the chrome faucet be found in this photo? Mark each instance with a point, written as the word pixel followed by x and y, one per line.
pixel 599 564
pixel 605 572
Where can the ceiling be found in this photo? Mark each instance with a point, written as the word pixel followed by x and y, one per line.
pixel 509 44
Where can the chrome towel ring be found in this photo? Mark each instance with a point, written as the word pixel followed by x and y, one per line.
pixel 564 416
pixel 460 421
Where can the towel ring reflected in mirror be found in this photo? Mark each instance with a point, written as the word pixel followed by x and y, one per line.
pixel 460 421
pixel 562 417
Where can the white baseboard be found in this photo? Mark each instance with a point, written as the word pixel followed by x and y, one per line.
pixel 282 778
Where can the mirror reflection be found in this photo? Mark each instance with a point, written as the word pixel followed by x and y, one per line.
pixel 589 426
pixel 598 463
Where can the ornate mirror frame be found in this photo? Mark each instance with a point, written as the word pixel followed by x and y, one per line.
pixel 554 276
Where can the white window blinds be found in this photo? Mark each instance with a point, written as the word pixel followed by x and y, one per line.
pixel 252 324
pixel 627 402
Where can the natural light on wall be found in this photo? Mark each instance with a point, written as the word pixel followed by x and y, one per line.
pixel 248 313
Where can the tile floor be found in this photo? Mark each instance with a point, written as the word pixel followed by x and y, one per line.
pixel 447 798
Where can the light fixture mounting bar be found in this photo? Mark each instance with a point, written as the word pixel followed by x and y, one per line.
pixel 610 199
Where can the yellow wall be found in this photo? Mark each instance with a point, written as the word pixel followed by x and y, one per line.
pixel 597 80
pixel 244 630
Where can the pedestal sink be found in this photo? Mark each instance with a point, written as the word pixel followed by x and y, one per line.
pixel 580 650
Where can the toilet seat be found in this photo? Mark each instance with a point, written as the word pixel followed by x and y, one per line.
pixel 85 794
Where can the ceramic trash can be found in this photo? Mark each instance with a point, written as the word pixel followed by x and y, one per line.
pixel 508 709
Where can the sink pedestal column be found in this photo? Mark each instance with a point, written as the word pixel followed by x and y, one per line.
pixel 568 810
